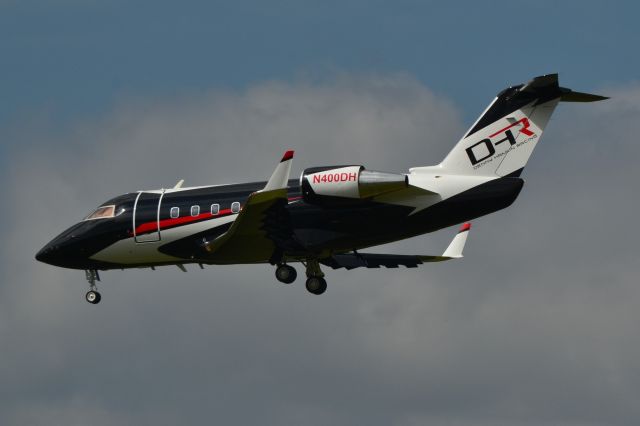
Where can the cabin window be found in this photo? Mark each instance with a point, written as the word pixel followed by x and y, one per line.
pixel 102 212
pixel 195 210
pixel 235 207
pixel 215 209
pixel 175 212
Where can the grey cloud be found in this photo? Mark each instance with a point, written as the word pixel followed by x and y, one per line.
pixel 537 325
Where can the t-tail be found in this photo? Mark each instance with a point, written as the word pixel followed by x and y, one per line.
pixel 501 141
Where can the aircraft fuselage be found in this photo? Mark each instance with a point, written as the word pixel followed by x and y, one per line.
pixel 143 232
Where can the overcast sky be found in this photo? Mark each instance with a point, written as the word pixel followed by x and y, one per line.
pixel 537 325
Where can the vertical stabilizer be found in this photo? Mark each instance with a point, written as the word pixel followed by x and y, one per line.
pixel 501 141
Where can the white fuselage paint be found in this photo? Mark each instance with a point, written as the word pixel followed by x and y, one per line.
pixel 431 185
pixel 130 252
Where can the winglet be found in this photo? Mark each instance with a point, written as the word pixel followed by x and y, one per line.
pixel 280 176
pixel 454 250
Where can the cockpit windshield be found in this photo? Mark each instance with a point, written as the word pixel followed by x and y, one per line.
pixel 102 212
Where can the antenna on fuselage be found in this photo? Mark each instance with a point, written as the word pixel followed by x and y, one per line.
pixel 179 184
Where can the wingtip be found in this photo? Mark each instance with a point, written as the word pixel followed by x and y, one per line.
pixel 465 227
pixel 287 156
pixel 280 176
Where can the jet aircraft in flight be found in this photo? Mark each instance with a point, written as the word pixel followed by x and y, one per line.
pixel 327 215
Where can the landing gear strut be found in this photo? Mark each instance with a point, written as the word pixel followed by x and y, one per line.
pixel 92 295
pixel 286 274
pixel 316 284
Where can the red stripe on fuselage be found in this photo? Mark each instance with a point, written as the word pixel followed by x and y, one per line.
pixel 171 223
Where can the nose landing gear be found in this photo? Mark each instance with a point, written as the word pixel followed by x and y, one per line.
pixel 92 295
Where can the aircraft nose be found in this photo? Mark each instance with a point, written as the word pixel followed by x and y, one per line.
pixel 48 254
pixel 64 250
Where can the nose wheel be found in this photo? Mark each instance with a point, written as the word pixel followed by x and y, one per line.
pixel 92 296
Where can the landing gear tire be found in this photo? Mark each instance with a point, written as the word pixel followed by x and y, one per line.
pixel 316 285
pixel 286 274
pixel 93 297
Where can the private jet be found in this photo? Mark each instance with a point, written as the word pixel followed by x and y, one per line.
pixel 325 217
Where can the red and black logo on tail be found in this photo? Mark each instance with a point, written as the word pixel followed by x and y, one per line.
pixel 489 143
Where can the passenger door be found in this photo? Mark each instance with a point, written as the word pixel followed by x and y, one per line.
pixel 146 217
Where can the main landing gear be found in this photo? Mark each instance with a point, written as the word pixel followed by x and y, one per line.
pixel 316 284
pixel 286 274
pixel 92 295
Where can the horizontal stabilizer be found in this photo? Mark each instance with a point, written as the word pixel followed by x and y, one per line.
pixel 375 260
pixel 572 96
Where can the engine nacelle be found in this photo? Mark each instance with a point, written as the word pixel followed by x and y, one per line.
pixel 339 184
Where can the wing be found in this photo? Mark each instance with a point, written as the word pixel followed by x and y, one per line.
pixel 252 236
pixel 374 260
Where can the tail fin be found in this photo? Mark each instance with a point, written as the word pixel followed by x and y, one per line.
pixel 502 140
